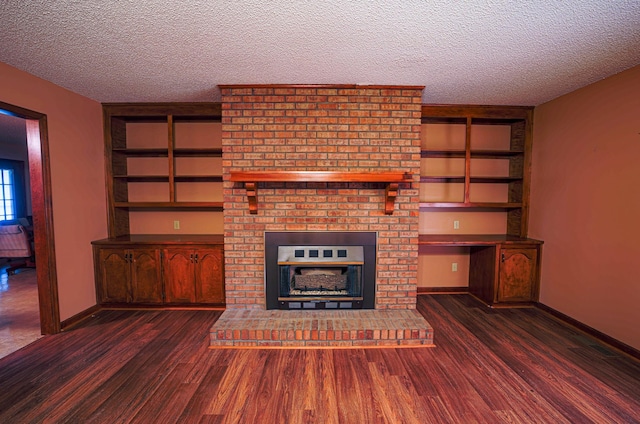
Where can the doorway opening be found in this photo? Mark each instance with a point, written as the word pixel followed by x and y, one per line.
pixel 42 213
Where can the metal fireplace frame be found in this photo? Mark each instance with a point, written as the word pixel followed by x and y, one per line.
pixel 367 240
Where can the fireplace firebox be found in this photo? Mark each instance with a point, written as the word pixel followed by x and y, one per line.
pixel 308 270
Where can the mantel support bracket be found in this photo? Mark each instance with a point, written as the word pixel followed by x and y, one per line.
pixel 252 193
pixel 391 192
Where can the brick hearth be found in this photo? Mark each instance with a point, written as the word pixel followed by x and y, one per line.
pixel 356 328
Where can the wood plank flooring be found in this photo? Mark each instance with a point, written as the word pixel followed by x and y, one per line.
pixel 19 309
pixel 488 366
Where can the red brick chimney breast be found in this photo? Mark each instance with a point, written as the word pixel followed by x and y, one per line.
pixel 345 128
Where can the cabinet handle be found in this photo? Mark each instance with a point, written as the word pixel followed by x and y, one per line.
pixel 196 258
pixel 502 256
pixel 191 256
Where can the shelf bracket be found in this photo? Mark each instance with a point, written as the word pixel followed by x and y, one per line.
pixel 391 192
pixel 252 193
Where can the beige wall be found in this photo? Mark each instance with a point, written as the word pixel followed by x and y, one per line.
pixel 585 204
pixel 77 178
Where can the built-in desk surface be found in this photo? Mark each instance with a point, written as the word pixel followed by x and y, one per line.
pixel 472 240
pixel 503 270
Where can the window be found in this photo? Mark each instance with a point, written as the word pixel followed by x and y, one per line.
pixel 13 191
pixel 7 195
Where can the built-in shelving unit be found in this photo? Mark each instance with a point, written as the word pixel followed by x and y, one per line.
pixel 475 160
pixel 151 172
pixel 163 161
pixel 455 161
pixel 475 169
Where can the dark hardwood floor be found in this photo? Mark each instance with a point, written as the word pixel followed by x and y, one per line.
pixel 19 309
pixel 488 366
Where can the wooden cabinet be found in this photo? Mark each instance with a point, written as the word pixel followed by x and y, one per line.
pixel 129 276
pixel 518 274
pixel 155 270
pixel 209 272
pixel 194 275
pixel 505 275
pixel 179 275
pixel 113 275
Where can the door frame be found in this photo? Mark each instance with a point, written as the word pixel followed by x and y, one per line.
pixel 42 211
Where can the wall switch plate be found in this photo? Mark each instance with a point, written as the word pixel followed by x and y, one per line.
pixel 176 225
pixel 456 225
pixel 454 267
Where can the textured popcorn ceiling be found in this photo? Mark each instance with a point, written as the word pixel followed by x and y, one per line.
pixel 480 52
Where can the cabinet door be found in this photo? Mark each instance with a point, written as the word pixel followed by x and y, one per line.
pixel 209 277
pixel 146 276
pixel 518 275
pixel 114 276
pixel 179 275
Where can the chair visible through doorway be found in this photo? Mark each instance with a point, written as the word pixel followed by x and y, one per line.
pixel 15 245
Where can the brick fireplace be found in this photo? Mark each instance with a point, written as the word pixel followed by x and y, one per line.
pixel 328 128
pixel 340 128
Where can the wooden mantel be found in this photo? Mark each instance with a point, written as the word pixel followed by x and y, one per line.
pixel 252 178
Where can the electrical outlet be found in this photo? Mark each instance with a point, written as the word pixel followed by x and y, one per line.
pixel 454 267
pixel 176 225
pixel 456 225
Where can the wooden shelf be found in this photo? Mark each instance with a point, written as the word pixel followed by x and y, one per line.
pixel 473 180
pixel 495 154
pixel 479 114
pixel 493 180
pixel 471 205
pixel 164 152
pixel 320 176
pixel 158 153
pixel 443 154
pixel 476 154
pixel 181 152
pixel 198 178
pixel 142 178
pixel 165 178
pixel 442 179
pixel 251 178
pixel 169 205
pixel 157 112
